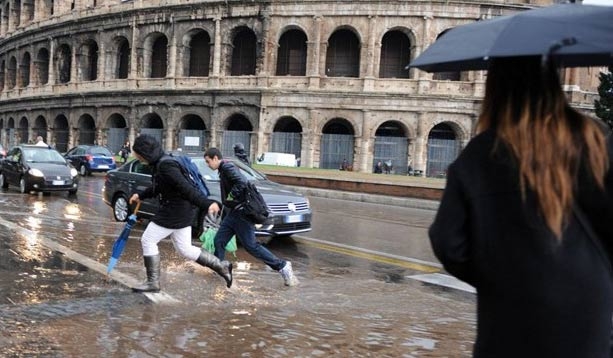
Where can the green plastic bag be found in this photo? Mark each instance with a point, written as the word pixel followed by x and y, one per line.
pixel 208 242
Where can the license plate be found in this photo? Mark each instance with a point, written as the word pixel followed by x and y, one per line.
pixel 57 182
pixel 103 166
pixel 293 219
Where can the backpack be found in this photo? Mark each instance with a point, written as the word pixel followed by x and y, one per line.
pixel 254 207
pixel 190 171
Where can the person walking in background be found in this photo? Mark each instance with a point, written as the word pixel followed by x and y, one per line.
pixel 526 219
pixel 233 185
pixel 40 142
pixel 175 215
pixel 125 151
pixel 378 168
pixel 239 152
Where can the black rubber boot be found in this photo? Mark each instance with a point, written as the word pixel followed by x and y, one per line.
pixel 152 284
pixel 223 268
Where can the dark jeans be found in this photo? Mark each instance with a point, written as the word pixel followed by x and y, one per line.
pixel 236 224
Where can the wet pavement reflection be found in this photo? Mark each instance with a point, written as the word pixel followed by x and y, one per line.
pixel 345 306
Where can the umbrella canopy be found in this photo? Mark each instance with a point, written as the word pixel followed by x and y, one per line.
pixel 572 35
pixel 120 242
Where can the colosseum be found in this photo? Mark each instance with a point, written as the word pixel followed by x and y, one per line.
pixel 325 80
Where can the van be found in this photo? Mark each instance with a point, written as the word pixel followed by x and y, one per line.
pixel 273 158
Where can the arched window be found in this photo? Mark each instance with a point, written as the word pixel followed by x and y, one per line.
pixel 395 55
pixel 343 55
pixel 123 59
pixel 292 54
pixel 199 55
pixel 42 66
pixel 159 57
pixel 24 70
pixel 243 53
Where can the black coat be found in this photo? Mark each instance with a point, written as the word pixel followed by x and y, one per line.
pixel 179 199
pixel 231 182
pixel 536 296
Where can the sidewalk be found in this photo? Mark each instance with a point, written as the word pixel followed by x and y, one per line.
pixel 398 190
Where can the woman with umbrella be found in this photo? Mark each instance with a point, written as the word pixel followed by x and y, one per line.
pixel 525 218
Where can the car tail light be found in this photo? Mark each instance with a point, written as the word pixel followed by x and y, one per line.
pixel 89 158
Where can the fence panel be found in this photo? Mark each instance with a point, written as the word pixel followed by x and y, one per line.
pixel 441 153
pixel 334 149
pixel 192 140
pixel 286 142
pixel 394 151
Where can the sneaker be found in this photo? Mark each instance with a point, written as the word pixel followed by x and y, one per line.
pixel 288 275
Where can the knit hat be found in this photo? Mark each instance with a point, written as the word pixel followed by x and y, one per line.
pixel 148 147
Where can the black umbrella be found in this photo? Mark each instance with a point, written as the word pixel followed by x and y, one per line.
pixel 572 35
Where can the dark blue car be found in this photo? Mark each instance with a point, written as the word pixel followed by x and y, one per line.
pixel 91 158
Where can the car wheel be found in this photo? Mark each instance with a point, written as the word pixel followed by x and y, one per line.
pixel 83 170
pixel 24 187
pixel 121 208
pixel 3 183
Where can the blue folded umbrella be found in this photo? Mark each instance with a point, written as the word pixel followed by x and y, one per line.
pixel 120 242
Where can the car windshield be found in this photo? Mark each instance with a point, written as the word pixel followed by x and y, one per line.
pixel 100 151
pixel 209 174
pixel 43 155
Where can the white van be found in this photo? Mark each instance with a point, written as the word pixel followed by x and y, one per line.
pixel 273 158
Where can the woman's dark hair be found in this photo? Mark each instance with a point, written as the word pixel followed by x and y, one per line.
pixel 525 104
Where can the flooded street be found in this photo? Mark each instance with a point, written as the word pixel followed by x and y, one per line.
pixel 354 297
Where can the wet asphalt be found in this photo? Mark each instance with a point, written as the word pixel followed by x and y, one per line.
pixel 349 303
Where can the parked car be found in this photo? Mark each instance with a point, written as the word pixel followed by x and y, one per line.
pixel 291 210
pixel 91 158
pixel 36 168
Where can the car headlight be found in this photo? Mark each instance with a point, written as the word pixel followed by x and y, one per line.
pixel 36 172
pixel 73 172
pixel 308 202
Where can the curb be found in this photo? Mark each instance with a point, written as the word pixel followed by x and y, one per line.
pixel 369 198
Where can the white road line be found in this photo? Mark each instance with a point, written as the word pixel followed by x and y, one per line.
pixel 93 265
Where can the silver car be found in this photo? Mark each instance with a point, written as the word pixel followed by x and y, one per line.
pixel 291 210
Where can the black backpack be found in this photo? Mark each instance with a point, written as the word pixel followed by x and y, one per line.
pixel 254 207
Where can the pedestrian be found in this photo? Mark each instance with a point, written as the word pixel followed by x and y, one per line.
pixel 516 215
pixel 125 151
pixel 233 185
pixel 378 168
pixel 174 216
pixel 239 152
pixel 40 142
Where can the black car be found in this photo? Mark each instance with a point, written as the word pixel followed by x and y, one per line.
pixel 91 158
pixel 38 168
pixel 291 210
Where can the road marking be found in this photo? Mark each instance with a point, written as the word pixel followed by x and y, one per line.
pixel 444 280
pixel 406 262
pixel 91 264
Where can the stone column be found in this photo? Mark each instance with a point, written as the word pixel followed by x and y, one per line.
pixel 172 57
pixel 425 40
pixel 74 65
pixel 370 50
pixel 267 50
pixel 365 144
pixel 51 80
pixel 133 52
pixel 101 58
pixel 315 50
pixel 216 57
pixel 421 143
pixel 309 140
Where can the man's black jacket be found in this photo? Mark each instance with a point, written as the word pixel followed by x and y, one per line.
pixel 231 182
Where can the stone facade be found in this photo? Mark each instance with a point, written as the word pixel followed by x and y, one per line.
pixel 103 71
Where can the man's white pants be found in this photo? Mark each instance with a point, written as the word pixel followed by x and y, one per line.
pixel 181 239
